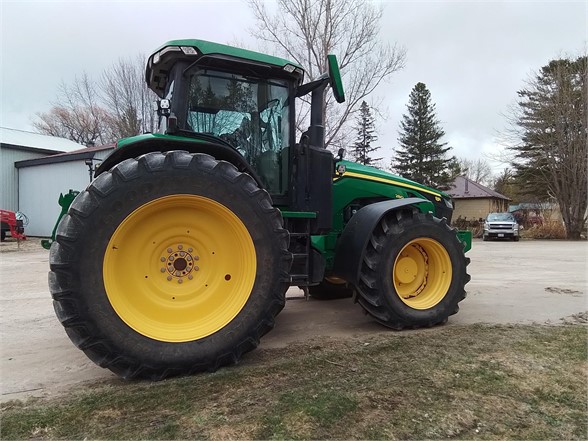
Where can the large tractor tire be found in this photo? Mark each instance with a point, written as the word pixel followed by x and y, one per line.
pixel 331 288
pixel 414 271
pixel 169 264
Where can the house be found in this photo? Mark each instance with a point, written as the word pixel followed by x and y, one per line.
pixel 473 201
pixel 41 180
pixel 19 145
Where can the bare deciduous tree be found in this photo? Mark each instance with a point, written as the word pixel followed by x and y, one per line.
pixel 477 170
pixel 305 31
pixel 127 98
pixel 77 114
pixel 99 112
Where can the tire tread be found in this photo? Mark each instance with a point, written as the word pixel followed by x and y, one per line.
pixel 63 257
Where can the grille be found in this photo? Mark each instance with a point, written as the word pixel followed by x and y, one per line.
pixel 501 226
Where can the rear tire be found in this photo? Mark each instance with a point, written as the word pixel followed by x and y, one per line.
pixel 2 235
pixel 131 300
pixel 330 290
pixel 414 271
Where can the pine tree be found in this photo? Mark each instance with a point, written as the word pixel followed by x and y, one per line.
pixel 421 156
pixel 362 148
pixel 550 159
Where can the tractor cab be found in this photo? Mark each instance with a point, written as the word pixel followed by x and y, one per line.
pixel 244 100
pixel 232 96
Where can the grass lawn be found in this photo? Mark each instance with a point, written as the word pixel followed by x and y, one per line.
pixel 465 382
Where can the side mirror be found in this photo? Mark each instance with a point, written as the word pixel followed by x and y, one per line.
pixel 341 154
pixel 335 78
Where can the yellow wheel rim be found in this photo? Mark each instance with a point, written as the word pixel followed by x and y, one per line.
pixel 422 273
pixel 179 268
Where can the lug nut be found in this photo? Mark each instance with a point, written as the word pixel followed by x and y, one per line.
pixel 162 270
pixel 180 247
pixel 169 250
pixel 182 254
pixel 169 278
pixel 196 258
pixel 162 259
pixel 171 257
pixel 180 280
pixel 188 258
pixel 190 250
pixel 190 277
pixel 196 268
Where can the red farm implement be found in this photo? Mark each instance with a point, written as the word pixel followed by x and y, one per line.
pixel 12 224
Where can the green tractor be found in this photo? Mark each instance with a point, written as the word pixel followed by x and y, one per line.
pixel 178 255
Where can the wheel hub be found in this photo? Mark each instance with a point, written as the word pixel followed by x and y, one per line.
pixel 406 270
pixel 179 263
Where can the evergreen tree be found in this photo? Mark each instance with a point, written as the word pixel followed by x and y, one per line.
pixel 362 148
pixel 552 120
pixel 421 156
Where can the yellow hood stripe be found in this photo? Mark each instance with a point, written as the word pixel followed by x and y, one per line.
pixel 386 181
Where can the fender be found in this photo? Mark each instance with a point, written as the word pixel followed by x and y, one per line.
pixel 155 142
pixel 351 246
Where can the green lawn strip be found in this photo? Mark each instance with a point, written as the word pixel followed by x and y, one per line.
pixel 464 382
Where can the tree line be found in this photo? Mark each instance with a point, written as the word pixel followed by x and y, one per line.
pixel 548 144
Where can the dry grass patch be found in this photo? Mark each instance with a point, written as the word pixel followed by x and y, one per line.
pixel 470 382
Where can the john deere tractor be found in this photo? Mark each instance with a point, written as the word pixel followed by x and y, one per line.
pixel 178 255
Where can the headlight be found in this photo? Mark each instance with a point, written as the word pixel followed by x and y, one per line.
pixel 486 226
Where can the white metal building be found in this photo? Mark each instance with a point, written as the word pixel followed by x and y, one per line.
pixel 18 145
pixel 42 180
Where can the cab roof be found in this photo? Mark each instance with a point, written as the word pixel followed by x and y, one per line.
pixel 159 63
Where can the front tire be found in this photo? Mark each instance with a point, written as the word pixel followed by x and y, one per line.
pixel 414 271
pixel 169 264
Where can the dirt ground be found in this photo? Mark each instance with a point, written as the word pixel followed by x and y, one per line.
pixel 542 282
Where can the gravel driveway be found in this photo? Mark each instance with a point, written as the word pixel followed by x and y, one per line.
pixel 512 282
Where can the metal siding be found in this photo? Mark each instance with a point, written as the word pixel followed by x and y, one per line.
pixel 40 187
pixel 101 155
pixel 9 176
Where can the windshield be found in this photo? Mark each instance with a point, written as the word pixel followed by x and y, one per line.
pixel 492 217
pixel 250 114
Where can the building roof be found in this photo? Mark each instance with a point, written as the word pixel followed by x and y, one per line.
pixel 76 155
pixel 464 188
pixel 22 140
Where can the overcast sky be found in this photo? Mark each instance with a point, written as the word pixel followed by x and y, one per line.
pixel 473 56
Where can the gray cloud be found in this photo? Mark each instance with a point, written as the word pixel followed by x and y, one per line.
pixel 473 56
